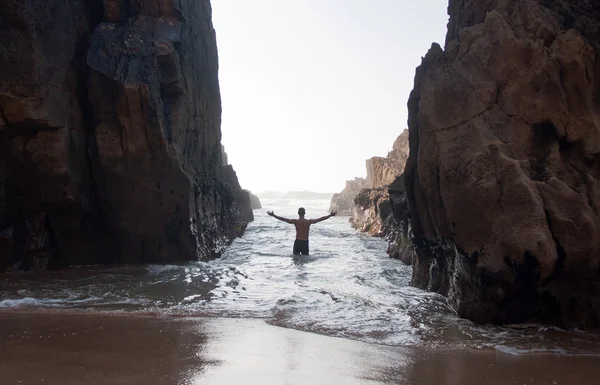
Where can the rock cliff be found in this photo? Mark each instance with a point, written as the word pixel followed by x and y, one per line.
pixel 378 205
pixel 343 202
pixel 503 178
pixel 372 210
pixel 254 201
pixel 382 172
pixel 110 135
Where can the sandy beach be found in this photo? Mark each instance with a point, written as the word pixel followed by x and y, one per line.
pixel 40 348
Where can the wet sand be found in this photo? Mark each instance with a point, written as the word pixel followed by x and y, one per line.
pixel 40 348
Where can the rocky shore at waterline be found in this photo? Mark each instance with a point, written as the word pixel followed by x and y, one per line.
pixel 377 204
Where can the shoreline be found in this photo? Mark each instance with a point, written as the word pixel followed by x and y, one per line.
pixel 94 348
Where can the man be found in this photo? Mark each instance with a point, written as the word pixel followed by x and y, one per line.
pixel 302 227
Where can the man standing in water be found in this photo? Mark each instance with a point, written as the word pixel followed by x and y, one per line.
pixel 302 227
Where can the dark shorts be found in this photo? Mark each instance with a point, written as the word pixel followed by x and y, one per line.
pixel 300 247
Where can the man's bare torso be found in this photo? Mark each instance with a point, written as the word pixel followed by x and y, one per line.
pixel 302 224
pixel 302 228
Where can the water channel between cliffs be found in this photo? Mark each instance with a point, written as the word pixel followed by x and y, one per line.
pixel 348 288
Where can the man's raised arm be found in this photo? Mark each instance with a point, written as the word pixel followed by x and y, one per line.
pixel 272 214
pixel 333 213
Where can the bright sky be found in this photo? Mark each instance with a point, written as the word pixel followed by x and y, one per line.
pixel 312 88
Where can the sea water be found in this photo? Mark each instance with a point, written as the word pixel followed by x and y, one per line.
pixel 348 287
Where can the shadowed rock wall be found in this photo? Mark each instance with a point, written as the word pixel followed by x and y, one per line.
pixel 503 178
pixel 110 134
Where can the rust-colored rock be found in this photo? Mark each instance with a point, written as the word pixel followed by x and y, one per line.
pixel 503 178
pixel 110 135
pixel 382 172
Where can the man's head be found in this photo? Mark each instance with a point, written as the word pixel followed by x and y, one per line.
pixel 301 212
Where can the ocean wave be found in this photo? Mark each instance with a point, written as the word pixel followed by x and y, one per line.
pixel 160 269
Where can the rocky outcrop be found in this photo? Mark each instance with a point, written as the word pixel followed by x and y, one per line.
pixel 372 211
pixel 110 135
pixel 377 205
pixel 399 231
pixel 382 172
pixel 224 158
pixel 503 178
pixel 343 202
pixel 254 202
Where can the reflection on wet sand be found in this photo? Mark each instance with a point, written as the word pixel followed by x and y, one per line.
pixel 100 349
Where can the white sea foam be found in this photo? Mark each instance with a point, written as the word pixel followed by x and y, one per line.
pixel 520 351
pixel 160 269
pixel 11 303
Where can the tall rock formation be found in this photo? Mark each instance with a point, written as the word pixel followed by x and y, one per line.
pixel 372 211
pixel 110 134
pixel 384 171
pixel 503 178
pixel 378 205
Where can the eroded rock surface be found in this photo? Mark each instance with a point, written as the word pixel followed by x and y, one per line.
pixel 372 211
pixel 110 135
pixel 399 231
pixel 383 171
pixel 503 178
pixel 378 205
pixel 343 202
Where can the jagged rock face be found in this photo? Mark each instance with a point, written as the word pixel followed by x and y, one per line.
pixel 381 172
pixel 254 202
pixel 384 171
pixel 400 236
pixel 383 212
pixel 372 210
pixel 110 135
pixel 343 202
pixel 503 178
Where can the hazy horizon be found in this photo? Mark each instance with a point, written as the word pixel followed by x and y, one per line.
pixel 313 88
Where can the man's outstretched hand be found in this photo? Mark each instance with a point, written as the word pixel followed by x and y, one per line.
pixel 333 213
pixel 270 213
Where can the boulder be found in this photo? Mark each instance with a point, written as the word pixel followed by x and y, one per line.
pixel 110 135
pixel 503 177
